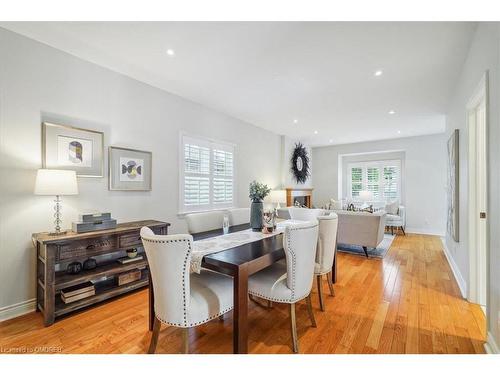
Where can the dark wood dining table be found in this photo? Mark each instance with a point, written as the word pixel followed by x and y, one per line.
pixel 238 262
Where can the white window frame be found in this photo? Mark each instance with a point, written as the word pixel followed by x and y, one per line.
pixel 211 144
pixel 380 164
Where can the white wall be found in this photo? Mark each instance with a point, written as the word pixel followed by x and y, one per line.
pixel 424 175
pixel 40 83
pixel 483 55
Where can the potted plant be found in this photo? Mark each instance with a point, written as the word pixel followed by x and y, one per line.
pixel 257 194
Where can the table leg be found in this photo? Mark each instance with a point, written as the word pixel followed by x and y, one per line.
pixel 151 304
pixel 240 311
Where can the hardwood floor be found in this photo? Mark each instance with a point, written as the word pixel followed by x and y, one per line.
pixel 408 302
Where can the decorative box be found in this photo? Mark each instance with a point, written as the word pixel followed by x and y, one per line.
pixel 95 216
pixel 82 227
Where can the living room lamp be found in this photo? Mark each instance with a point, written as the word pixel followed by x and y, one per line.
pixel 365 195
pixel 277 196
pixel 56 182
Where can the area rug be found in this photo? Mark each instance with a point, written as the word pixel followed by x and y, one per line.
pixel 379 252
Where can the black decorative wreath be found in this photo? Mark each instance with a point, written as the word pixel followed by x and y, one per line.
pixel 300 163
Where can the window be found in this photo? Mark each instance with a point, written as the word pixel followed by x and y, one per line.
pixel 381 178
pixel 207 175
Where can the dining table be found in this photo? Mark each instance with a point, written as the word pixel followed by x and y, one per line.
pixel 239 262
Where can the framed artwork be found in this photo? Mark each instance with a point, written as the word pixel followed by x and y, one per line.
pixel 129 169
pixel 453 181
pixel 67 147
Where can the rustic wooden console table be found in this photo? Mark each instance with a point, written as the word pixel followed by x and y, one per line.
pixel 54 253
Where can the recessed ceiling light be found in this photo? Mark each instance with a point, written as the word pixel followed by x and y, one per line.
pixel 391 112
pixel 399 131
pixel 378 73
pixel 170 52
pixel 315 132
pixel 331 141
pixel 295 121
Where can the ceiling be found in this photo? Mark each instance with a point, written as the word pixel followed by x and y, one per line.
pixel 272 73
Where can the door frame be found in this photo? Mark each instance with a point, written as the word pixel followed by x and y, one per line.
pixel 480 93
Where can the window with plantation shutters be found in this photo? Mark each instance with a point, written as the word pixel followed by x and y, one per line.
pixel 206 175
pixel 381 178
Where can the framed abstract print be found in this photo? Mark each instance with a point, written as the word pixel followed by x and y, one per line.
pixel 129 169
pixel 67 147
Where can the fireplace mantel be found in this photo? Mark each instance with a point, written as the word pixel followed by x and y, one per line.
pixel 305 194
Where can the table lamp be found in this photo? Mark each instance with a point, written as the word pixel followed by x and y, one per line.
pixel 56 182
pixel 277 196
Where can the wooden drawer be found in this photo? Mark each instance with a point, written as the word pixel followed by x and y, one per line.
pixel 130 240
pixel 86 248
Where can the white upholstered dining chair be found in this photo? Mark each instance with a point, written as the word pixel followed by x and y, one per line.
pixel 292 281
pixel 182 299
pixel 204 221
pixel 304 214
pixel 325 252
pixel 238 216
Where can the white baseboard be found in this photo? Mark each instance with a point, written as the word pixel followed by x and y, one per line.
pixel 490 345
pixel 17 309
pixel 454 268
pixel 429 231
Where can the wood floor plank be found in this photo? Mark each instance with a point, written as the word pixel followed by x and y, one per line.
pixel 407 302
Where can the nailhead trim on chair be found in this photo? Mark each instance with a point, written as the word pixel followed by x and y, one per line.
pixel 294 265
pixel 188 253
pixel 185 324
pixel 279 299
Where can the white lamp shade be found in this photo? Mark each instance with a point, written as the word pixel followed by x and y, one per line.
pixel 277 196
pixel 365 195
pixel 55 182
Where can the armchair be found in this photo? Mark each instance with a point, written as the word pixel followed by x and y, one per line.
pixel 397 221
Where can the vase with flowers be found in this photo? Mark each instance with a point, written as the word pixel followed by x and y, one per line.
pixel 257 194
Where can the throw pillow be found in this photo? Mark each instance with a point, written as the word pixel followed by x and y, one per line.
pixel 392 208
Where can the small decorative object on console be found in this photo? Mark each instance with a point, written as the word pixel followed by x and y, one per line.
pixel 90 222
pixel 74 268
pixel 132 253
pixel 89 264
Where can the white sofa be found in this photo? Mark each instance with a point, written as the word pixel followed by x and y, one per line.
pixel 361 228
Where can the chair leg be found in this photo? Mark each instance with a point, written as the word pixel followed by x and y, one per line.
pixel 365 249
pixel 154 337
pixel 269 304
pixel 318 281
pixel 403 229
pixel 330 284
pixel 392 230
pixel 185 340
pixel 293 327
pixel 310 310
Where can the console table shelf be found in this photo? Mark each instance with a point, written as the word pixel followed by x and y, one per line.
pixel 102 293
pixel 63 280
pixel 54 253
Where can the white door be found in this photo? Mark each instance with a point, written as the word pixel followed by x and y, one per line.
pixel 478 194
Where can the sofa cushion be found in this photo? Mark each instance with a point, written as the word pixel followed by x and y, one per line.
pixel 392 217
pixel 392 208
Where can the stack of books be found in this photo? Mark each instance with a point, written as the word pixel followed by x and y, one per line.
pixel 126 260
pixel 77 292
